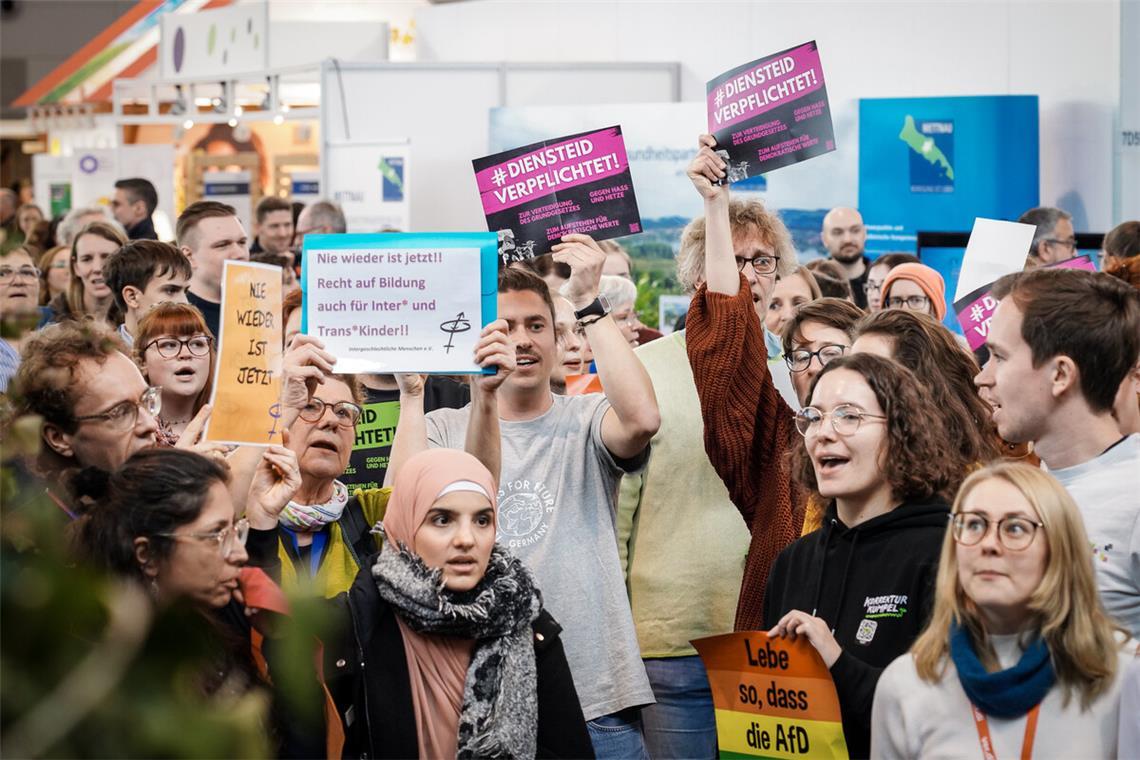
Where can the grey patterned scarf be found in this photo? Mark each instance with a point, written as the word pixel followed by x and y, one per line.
pixel 499 718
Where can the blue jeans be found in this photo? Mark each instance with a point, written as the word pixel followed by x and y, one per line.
pixel 682 724
pixel 617 736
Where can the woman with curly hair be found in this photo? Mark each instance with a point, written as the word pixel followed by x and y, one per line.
pixel 860 588
pixel 925 347
pixel 1019 651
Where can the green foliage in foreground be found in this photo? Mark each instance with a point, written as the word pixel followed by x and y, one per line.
pixel 89 667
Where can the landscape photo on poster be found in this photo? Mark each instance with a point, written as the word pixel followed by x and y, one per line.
pixel 661 140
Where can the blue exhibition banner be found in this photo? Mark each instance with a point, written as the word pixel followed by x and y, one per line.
pixel 400 302
pixel 938 163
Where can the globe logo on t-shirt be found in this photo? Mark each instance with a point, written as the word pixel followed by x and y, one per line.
pixel 520 514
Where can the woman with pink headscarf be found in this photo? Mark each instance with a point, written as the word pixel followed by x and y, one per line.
pixel 451 653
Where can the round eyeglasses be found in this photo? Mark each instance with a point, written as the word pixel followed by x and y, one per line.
pixel 346 412
pixel 799 359
pixel 225 539
pixel 845 419
pixel 125 415
pixel 169 348
pixel 1014 533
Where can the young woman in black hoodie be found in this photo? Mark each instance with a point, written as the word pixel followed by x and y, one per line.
pixel 860 588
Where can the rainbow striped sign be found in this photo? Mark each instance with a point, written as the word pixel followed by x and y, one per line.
pixel 774 698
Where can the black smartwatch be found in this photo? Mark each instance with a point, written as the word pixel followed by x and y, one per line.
pixel 599 308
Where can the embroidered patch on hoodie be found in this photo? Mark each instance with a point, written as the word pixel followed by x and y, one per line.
pixel 888 606
pixel 866 631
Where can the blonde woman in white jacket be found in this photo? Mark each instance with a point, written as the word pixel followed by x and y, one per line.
pixel 1020 658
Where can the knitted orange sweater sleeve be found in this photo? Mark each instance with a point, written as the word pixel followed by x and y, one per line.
pixel 748 425
pixel 748 430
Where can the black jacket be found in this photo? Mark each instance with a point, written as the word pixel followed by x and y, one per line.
pixel 874 586
pixel 143 230
pixel 367 674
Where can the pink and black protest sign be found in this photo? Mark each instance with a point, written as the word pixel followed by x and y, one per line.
pixel 535 194
pixel 976 310
pixel 770 113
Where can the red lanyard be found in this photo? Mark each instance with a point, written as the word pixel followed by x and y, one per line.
pixel 983 727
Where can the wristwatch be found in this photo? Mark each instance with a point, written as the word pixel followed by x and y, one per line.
pixel 599 308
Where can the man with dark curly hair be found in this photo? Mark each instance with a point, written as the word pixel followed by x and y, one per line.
pixel 96 408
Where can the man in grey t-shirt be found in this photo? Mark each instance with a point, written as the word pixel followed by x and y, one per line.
pixel 1062 342
pixel 562 459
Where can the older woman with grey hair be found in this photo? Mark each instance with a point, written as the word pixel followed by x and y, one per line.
pixel 78 218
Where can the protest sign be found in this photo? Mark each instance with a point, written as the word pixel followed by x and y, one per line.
pixel 540 192
pixel 995 249
pixel 770 113
pixel 976 310
pixel 400 302
pixel 373 445
pixel 773 698
pixel 247 380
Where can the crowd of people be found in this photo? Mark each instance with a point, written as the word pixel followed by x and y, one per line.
pixel 812 454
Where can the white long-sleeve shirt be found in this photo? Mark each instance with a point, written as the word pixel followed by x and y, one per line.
pixel 912 718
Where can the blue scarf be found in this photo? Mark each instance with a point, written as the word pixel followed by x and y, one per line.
pixel 1006 693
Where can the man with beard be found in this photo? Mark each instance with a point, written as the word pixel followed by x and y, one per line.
pixel 844 236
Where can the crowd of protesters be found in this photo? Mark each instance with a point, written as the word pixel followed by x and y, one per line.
pixel 526 574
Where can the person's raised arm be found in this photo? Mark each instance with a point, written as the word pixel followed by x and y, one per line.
pixel 303 367
pixel 411 427
pixel 747 423
pixel 720 263
pixel 483 442
pixel 633 418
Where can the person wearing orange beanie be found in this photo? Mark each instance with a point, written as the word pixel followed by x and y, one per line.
pixel 908 284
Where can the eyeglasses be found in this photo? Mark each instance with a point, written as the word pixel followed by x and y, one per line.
pixel 914 303
pixel 872 287
pixel 1014 533
pixel 763 264
pixel 168 348
pixel 346 412
pixel 800 359
pixel 224 538
pixel 1069 243
pixel 845 419
pixel 124 415
pixel 10 273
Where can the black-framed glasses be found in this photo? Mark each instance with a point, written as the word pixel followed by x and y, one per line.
pixel 914 303
pixel 870 286
pixel 845 419
pixel 224 539
pixel 346 412
pixel 10 273
pixel 765 263
pixel 169 347
pixel 799 359
pixel 1068 243
pixel 125 414
pixel 1014 533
